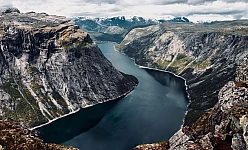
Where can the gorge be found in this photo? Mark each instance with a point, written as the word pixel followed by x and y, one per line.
pixel 152 112
pixel 212 57
pixel 206 55
pixel 50 70
pixel 55 79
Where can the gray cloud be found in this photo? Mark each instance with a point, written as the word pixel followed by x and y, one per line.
pixel 233 1
pixel 196 9
pixel 101 1
pixel 198 2
pixel 6 6
pixel 166 2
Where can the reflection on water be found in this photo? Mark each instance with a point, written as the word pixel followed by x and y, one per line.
pixel 66 128
pixel 153 112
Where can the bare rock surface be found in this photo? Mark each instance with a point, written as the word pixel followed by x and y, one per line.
pixel 223 127
pixel 50 68
pixel 204 54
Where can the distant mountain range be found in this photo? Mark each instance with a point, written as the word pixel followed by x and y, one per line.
pixel 115 28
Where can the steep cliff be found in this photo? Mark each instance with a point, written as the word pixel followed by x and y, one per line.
pixel 204 54
pixel 224 127
pixel 49 68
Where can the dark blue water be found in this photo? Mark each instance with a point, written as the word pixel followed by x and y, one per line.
pixel 153 112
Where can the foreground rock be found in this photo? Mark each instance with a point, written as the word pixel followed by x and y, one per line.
pixel 223 127
pixel 50 68
pixel 14 137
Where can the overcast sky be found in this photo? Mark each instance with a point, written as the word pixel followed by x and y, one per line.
pixel 195 10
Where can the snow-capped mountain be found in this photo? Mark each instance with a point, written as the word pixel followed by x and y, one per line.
pixel 114 28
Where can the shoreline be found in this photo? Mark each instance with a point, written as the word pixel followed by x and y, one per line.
pixel 185 83
pixel 87 106
pixel 178 76
pixel 121 96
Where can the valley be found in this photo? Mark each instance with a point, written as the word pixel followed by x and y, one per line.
pixel 77 88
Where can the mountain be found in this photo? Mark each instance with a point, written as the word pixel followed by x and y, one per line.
pixel 50 68
pixel 103 24
pixel 115 28
pixel 110 29
pixel 223 127
pixel 206 55
pixel 176 19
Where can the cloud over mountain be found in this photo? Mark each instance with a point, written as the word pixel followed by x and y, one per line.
pixel 195 10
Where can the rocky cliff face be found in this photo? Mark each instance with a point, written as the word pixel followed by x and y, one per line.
pixel 224 127
pixel 204 54
pixel 49 68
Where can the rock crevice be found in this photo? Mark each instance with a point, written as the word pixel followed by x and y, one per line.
pixel 49 68
pixel 222 127
pixel 204 54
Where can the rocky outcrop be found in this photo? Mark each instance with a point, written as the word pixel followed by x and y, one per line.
pixel 223 127
pixel 204 54
pixel 50 68
pixel 14 136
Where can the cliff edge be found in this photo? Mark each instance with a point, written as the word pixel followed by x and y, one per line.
pixel 223 127
pixel 204 54
pixel 50 68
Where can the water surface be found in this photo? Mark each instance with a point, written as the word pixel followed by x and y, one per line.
pixel 153 112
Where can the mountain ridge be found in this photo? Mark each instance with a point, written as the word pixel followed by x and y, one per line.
pixel 115 28
pixel 222 127
pixel 49 68
pixel 206 55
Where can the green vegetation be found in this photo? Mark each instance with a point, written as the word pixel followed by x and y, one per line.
pixel 52 108
pixel 32 70
pixel 36 87
pixel 48 116
pixel 177 66
pixel 45 99
pixel 22 110
pixel 25 111
pixel 12 89
pixel 60 101
pixel 78 44
pixel 70 45
pixel 180 63
pixel 163 64
pixel 173 69
pixel 181 56
pixel 201 65
pixel 108 37
pixel 8 112
pixel 34 113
